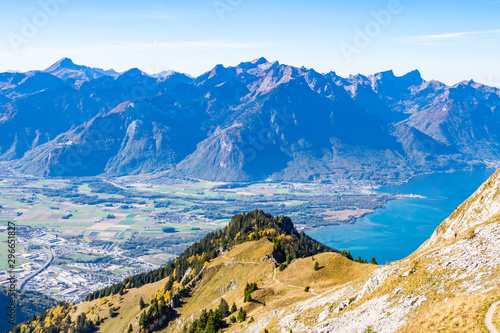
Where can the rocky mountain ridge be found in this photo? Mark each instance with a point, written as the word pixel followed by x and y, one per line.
pixel 256 121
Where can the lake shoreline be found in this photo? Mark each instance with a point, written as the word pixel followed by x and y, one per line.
pixel 402 224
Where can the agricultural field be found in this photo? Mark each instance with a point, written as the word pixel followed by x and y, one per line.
pixel 78 235
pixel 118 209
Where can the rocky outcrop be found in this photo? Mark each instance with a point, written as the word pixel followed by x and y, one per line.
pixel 460 260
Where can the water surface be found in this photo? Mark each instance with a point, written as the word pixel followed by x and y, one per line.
pixel 401 226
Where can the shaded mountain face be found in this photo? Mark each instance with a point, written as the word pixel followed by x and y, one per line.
pixel 256 121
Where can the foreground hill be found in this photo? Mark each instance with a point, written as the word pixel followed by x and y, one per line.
pixel 257 120
pixel 283 243
pixel 280 280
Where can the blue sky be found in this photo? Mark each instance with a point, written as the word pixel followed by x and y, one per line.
pixel 446 40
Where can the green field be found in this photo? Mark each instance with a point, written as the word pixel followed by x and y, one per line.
pixel 143 205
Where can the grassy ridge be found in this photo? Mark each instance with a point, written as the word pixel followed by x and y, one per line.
pixel 288 244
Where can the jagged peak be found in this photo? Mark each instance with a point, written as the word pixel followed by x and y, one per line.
pixel 63 63
pixel 463 83
pixel 385 74
pixel 257 64
pixel 164 74
pixel 414 74
pixel 133 72
pixel 269 65
pixel 259 61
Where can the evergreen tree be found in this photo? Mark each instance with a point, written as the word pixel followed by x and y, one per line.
pixel 248 297
pixel 233 308
pixel 242 315
pixel 142 319
pixel 249 289
pixel 224 308
pixel 316 266
pixel 373 261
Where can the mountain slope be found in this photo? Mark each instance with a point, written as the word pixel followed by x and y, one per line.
pixel 445 286
pixel 255 121
pixel 269 239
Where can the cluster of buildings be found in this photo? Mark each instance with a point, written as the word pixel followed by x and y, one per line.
pixel 65 269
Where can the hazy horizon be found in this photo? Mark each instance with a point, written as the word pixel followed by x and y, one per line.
pixel 236 64
pixel 449 41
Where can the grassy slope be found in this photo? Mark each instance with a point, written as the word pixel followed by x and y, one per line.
pixel 334 270
pixel 449 311
pixel 462 313
pixel 449 306
pixel 128 303
pixel 226 276
pixel 496 319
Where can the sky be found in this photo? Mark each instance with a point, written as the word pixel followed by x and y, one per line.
pixel 449 40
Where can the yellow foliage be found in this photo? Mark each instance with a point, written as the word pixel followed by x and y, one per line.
pixel 238 234
pixel 271 232
pixel 159 295
pixel 252 236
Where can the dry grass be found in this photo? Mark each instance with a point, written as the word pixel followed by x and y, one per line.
pixel 226 281
pixel 464 313
pixel 128 303
pixel 496 318
pixel 226 278
pixel 251 251
pixel 334 270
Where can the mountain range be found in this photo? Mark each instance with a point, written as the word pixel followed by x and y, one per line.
pixel 259 120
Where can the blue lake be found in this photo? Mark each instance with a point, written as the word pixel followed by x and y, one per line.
pixel 401 226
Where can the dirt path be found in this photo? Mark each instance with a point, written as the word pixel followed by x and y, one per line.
pixel 234 261
pixel 274 273
pixel 290 286
pixel 489 317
